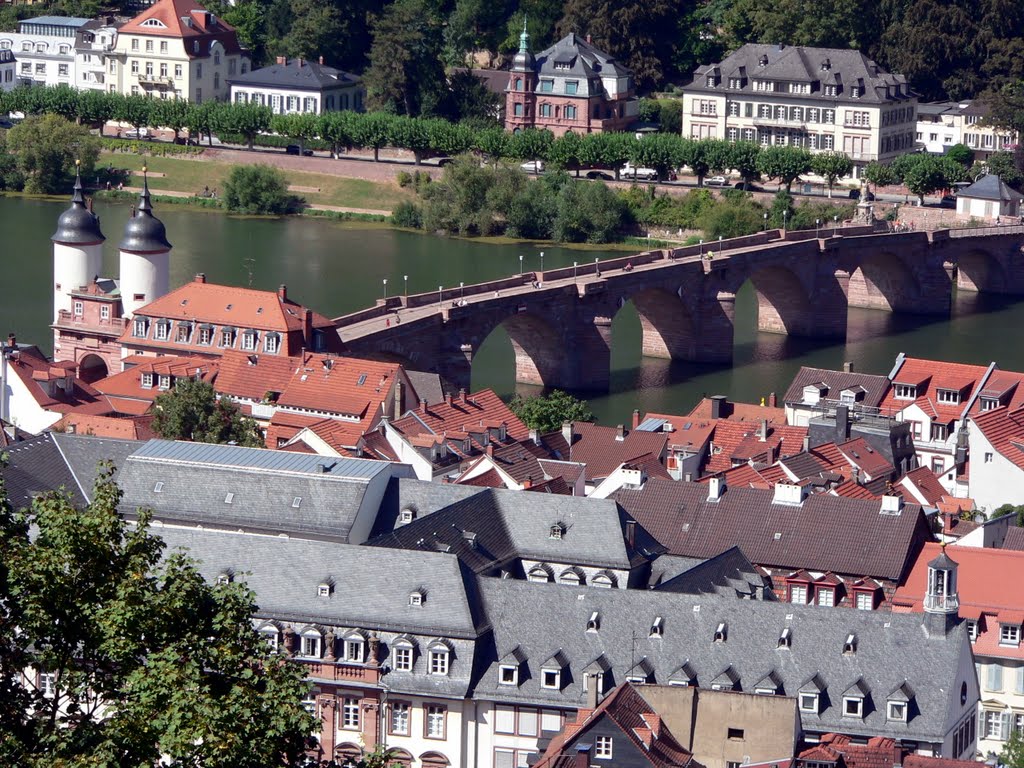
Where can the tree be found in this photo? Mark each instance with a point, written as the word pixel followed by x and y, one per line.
pixel 784 163
pixel 1004 165
pixel 743 159
pixel 45 148
pixel 493 143
pixel 146 662
pixel 1018 512
pixel 547 413
pixel 300 126
pixel 405 74
pixel 831 166
pixel 530 144
pixel 589 213
pixel 192 411
pixel 925 177
pixel 137 111
pixel 95 107
pixel 202 118
pixel 469 99
pixel 1012 755
pixel 336 128
pixel 565 152
pixel 249 120
pixel 663 152
pixel 173 114
pixel 880 175
pixel 961 153
pixel 373 130
pixel 696 156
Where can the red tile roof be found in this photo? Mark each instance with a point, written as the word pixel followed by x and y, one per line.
pixel 741 441
pixel 125 392
pixel 138 428
pixel 858 452
pixel 879 752
pixel 602 451
pixel 184 19
pixel 45 381
pixel 1004 429
pixel 688 433
pixel 929 489
pixel 738 412
pixel 929 376
pixel 252 375
pixel 852 490
pixel 988 582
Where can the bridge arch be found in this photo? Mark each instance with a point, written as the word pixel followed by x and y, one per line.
pixel 882 281
pixel 538 347
pixel 666 324
pixel 980 272
pixel 782 302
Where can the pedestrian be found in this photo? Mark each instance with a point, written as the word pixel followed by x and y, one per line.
pixel 387 322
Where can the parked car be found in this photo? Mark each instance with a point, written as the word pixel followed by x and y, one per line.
pixel 602 175
pixel 295 149
pixel 855 195
pixel 630 171
pixel 748 186
pixel 533 166
pixel 140 133
pixel 443 161
pixel 716 181
pixel 948 201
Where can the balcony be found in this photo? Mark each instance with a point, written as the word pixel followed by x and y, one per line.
pixel 865 156
pixel 771 120
pixel 263 411
pixel 854 124
pixel 342 672
pixel 79 323
pixel 698 113
pixel 948 603
pixel 158 80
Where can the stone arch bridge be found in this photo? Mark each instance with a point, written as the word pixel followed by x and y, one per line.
pixel 685 297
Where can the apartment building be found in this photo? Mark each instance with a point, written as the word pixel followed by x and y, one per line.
pixel 8 69
pixel 823 99
pixel 943 124
pixel 45 50
pixel 298 86
pixel 178 49
pixel 96 63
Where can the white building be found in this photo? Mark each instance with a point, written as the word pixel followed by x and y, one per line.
pixel 297 85
pixel 45 49
pixel 997 459
pixel 943 124
pixel 96 62
pixel 8 69
pixel 989 198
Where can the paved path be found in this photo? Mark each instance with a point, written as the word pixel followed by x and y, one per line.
pixel 336 208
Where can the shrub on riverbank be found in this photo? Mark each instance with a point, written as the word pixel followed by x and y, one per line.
pixel 259 189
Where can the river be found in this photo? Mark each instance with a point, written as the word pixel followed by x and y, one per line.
pixel 336 268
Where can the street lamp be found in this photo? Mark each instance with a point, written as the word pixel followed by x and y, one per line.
pixel 817 227
pixel 462 291
pixel 597 269
pixel 440 289
pixel 520 265
pixel 385 290
pixel 406 278
pixel 785 219
pixel 542 262
pixel 835 225
pixel 766 221
pixel 700 249
pixel 574 265
pixel 720 245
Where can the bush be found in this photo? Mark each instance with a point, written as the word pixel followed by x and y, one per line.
pixel 407 214
pixel 732 218
pixel 404 179
pixel 154 148
pixel 809 212
pixel 259 189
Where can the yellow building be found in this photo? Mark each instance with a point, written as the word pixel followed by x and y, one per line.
pixel 178 49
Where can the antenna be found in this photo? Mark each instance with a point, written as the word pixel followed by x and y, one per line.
pixel 632 650
pixel 250 267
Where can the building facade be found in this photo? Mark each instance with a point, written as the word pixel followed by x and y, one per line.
pixel 8 69
pixel 822 99
pixel 178 49
pixel 96 61
pixel 299 86
pixel 570 87
pixel 45 50
pixel 941 125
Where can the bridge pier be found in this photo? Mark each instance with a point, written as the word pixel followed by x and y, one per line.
pixel 714 328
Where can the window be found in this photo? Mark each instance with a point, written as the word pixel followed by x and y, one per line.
pixel 398 723
pixel 1009 634
pixel 205 336
pixel 149 46
pixel 570 113
pixel 177 70
pixel 853 706
pixel 798 594
pixel 438 661
pixel 603 748
pixel 808 702
pixel 227 337
pixel 149 69
pixel 270 636
pixel 994 725
pixel 518 110
pixel 147 381
pixel 184 333
pixel 865 601
pixel 62 70
pixel 310 646
pixel 163 69
pixel 350 714
pixel 938 432
pixel 199 71
pixel 972 630
pixel 79 309
pixel 551 678
pixel 47 683
pixel 435 721
pixel 249 341
pixel 904 391
pixel 826 597
pixel 104 312
pixel 897 711
pixel 508 675
pixel 216 58
pixel 40 69
pixel 949 396
pixel 165 381
pixel 403 658
pixel 736 734
pixel 272 343
pixel 988 404
pixel 354 650
pixel 572 87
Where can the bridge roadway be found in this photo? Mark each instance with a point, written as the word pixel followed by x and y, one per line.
pixel 685 297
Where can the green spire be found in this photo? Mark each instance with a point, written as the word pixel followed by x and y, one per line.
pixel 524 39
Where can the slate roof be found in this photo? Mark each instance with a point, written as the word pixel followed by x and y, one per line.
pixel 250 488
pixel 842 67
pixel 729 574
pixel 891 649
pixel 298 74
pixel 421 497
pixel 582 58
pixel 990 187
pixel 824 533
pixel 836 381
pixel 505 525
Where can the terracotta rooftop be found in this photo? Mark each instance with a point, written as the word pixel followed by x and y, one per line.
pixel 737 411
pixel 46 381
pixel 929 376
pixel 252 375
pixel 602 450
pixel 184 19
pixel 879 752
pixel 859 453
pixel 126 392
pixel 922 486
pixel 742 442
pixel 125 428
pixel 1004 429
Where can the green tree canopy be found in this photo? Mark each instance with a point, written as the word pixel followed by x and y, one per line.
pixel 144 659
pixel 45 148
pixel 880 175
pixel 406 75
pixel 831 166
pixel 192 411
pixel 784 163
pixel 547 413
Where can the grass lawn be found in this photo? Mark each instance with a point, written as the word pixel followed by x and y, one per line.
pixel 185 175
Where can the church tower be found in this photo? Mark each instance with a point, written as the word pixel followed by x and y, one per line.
pixel 941 601
pixel 145 256
pixel 522 82
pixel 77 250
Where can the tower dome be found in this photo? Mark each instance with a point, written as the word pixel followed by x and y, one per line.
pixel 523 61
pixel 144 232
pixel 78 225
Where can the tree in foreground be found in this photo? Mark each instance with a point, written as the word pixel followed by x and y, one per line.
pixel 831 166
pixel 258 189
pixel 784 163
pixel 546 413
pixel 192 411
pixel 140 659
pixel 45 148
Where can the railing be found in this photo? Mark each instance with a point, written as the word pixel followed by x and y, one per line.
pixel 698 113
pixel 263 410
pixel 855 124
pixel 772 120
pixel 157 79
pixel 112 325
pixel 941 602
pixel 1014 229
pixel 326 670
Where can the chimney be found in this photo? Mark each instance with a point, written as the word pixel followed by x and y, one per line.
pixel 592 692
pixel 535 437
pixel 636 418
pixel 307 328
pixel 423 406
pixel 762 431
pixel 773 401
pixel 300 63
pixel 855 474
pixel 489 449
pixel 567 433
pixel 718 406
pixel 399 399
pixel 282 60
pixel 449 399
pixel 891 505
pixel 588 39
pixel 462 394
pixel 620 433
pixel 282 292
pixel 947 521
pixel 897 754
pixel 848 367
pixel 527 483
pixel 321 62
pixel 842 423
pixel 716 487
pixel 631 533
pixel 200 277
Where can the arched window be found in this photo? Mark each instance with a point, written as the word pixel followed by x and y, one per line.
pixel 540 573
pixel 271 634
pixel 604 579
pixel 519 83
pixel 355 647
pixel 312 643
pixel 348 755
pixel 403 654
pixel 434 760
pixel 399 756
pixel 572 576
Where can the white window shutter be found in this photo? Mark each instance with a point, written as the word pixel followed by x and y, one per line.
pixel 1020 679
pixel 1004 726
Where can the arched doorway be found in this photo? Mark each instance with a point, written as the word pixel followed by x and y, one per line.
pixel 92 368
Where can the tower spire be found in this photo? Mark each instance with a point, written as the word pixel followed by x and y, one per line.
pixel 77 197
pixel 145 205
pixel 524 38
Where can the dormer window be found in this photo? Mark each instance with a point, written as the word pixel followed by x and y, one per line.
pixel 271 636
pixel 324 588
pixel 948 396
pixel 159 487
pixel 540 574
pixel 227 337
pixel 830 90
pixel 604 580
pixel 551 679
pixel 272 343
pixel 904 391
pixel 594 622
pixel 721 632
pixel 850 646
pixel 311 643
pixel 657 628
pixel 147 381
pixel 416 597
pixel 402 655
pixel 826 596
pixel 786 638
pixel 809 702
pixel 224 577
pixel 439 659
pixel 140 327
pixel 355 647
pixel 989 404
pixel 184 333
pixel 712 81
pixel 557 531
pixel 162 330
pixel 1009 634
pixel 249 338
pixel 571 576
pixel 972 629
pixel 165 381
pixel 508 674
pixel 853 706
pixel 896 711
pixel 406 516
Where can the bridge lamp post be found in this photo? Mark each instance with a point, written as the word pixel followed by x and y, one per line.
pixel 597 268
pixel 785 219
pixel 835 225
pixel 520 265
pixel 385 290
pixel 720 246
pixel 700 249
pixel 406 279
pixel 766 221
pixel 817 228
pixel 462 290
pixel 574 265
pixel 440 290
pixel 542 261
